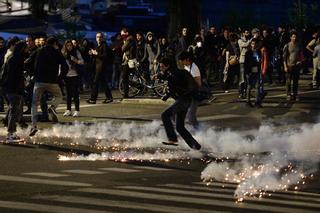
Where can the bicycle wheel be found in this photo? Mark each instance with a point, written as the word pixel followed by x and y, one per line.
pixel 135 86
pixel 160 87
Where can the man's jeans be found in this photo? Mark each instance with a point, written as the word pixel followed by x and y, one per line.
pixel 192 113
pixel 293 76
pixel 38 90
pixel 255 81
pixel 14 111
pixel 179 108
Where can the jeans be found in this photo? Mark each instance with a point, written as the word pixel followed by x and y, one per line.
pixel 72 85
pixel 101 78
pixel 179 108
pixel 315 77
pixel 192 113
pixel 242 81
pixel 38 90
pixel 292 76
pixel 14 111
pixel 255 81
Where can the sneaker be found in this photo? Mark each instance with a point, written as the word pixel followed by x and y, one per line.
pixel 33 131
pixel 67 113
pixel 76 114
pixel 212 98
pixel 91 101
pixel 23 125
pixel 249 104
pixel 53 114
pixel 196 146
pixel 258 105
pixel 296 98
pixel 13 138
pixel 106 101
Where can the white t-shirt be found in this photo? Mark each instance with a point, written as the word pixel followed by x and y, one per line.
pixel 193 69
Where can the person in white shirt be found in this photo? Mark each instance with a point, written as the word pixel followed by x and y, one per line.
pixel 185 58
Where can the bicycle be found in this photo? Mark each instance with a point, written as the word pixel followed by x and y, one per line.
pixel 138 84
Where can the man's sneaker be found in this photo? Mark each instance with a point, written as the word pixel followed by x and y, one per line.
pixel 53 114
pixel 196 146
pixel 90 101
pixel 33 131
pixel 106 101
pixel 212 98
pixel 13 138
pixel 67 113
pixel 23 125
pixel 296 98
pixel 76 114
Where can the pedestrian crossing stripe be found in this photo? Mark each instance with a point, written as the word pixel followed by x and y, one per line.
pixel 231 191
pixel 42 181
pixel 45 174
pixel 213 203
pixel 112 169
pixel 212 195
pixel 84 172
pixel 120 203
pixel 44 208
pixel 153 168
pixel 234 186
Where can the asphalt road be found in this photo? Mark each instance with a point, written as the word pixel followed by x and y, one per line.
pixel 137 173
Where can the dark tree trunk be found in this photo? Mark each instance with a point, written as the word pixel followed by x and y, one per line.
pixel 184 13
pixel 37 8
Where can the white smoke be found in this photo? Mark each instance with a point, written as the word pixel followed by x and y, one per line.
pixel 266 159
pixel 292 156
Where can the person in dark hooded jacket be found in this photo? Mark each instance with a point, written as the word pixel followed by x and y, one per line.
pixel 13 87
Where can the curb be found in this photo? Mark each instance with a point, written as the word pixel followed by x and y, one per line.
pixel 147 101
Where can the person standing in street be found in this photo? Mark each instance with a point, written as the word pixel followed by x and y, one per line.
pixel 47 74
pixel 103 69
pixel 181 87
pixel 13 88
pixel 293 59
pixel 129 49
pixel 73 58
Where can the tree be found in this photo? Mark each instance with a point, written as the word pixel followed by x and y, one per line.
pixel 184 13
pixel 37 8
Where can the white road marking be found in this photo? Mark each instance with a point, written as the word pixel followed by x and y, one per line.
pixel 120 170
pixel 42 181
pixel 46 174
pixel 83 172
pixel 44 208
pixel 153 168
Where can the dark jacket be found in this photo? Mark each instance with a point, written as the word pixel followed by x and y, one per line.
pixel 104 59
pixel 252 61
pixel 14 81
pixel 180 82
pixel 130 49
pixel 46 65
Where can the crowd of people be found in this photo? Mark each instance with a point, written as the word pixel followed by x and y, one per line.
pixel 39 69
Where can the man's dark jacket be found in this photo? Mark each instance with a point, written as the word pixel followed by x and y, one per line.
pixel 46 65
pixel 181 84
pixel 104 58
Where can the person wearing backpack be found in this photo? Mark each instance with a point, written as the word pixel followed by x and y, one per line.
pixel 12 81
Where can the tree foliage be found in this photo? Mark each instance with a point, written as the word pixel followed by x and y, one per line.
pixel 184 13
